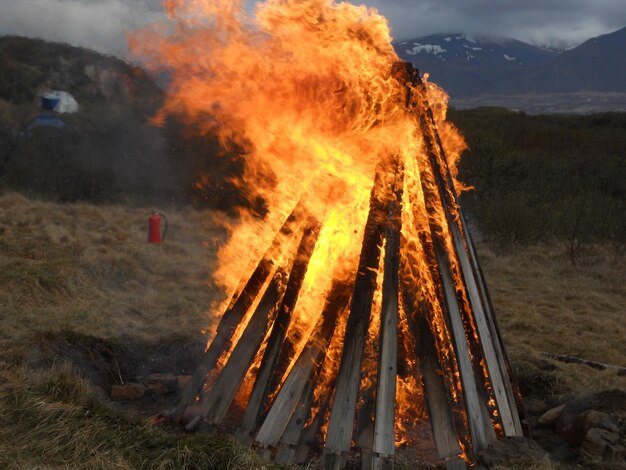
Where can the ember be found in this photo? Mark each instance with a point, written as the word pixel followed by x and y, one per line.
pixel 362 314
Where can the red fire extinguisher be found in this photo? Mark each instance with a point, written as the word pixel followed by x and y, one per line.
pixel 154 228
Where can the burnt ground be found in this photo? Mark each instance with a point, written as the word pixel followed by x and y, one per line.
pixel 105 363
pixel 108 362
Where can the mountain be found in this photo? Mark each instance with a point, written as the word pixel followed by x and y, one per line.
pixel 483 71
pixel 597 65
pixel 465 65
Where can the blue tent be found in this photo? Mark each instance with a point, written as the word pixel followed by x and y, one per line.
pixel 49 102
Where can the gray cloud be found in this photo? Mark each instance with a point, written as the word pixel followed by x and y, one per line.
pixel 548 22
pixel 96 24
pixel 102 24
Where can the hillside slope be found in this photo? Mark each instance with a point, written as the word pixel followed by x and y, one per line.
pixel 598 64
pixel 31 65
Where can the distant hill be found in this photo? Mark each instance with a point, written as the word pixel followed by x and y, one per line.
pixel 31 65
pixel 107 151
pixel 480 66
pixel 466 65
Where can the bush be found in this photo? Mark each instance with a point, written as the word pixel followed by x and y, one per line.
pixel 543 177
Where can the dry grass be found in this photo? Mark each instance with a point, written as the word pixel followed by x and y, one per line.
pixel 90 270
pixel 544 304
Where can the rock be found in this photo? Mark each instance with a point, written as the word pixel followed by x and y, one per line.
pixel 600 444
pixel 182 381
pixel 534 407
pixel 129 391
pixel 597 419
pixel 549 417
pixel 616 452
pixel 512 449
pixel 160 383
pixel 588 420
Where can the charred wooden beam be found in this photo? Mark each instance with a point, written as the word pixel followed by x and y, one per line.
pixel 480 425
pixel 310 435
pixel 384 422
pixel 305 369
pixel 340 426
pixel 217 399
pixel 491 349
pixel 234 315
pixel 438 401
pixel 439 411
pixel 621 371
pixel 261 386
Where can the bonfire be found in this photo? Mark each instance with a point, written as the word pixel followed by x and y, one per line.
pixel 358 317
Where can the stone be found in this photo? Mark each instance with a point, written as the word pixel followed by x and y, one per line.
pixel 588 420
pixel 599 444
pixel 129 391
pixel 596 419
pixel 549 417
pixel 616 452
pixel 160 384
pixel 534 407
pixel 182 381
pixel 512 449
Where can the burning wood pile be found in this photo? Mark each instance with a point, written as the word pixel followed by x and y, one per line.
pixel 363 322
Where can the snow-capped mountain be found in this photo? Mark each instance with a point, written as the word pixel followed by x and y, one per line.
pixel 466 65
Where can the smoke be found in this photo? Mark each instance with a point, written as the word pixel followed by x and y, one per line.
pixel 101 25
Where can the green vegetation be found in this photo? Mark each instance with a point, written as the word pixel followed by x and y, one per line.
pixel 540 178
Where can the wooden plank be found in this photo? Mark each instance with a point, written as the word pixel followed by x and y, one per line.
pixel 481 429
pixel 264 375
pixel 621 371
pixel 340 426
pixel 286 452
pixel 306 366
pixel 380 462
pixel 384 423
pixel 437 402
pixel 489 347
pixel 492 347
pixel 216 401
pixel 311 433
pixel 513 394
pixel 233 316
pixel 225 331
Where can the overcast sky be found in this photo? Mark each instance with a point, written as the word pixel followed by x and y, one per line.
pixel 101 24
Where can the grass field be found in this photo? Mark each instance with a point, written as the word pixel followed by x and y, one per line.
pixel 78 269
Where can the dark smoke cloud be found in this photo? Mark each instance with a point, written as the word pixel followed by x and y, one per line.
pixel 102 24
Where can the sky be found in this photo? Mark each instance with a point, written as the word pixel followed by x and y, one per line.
pixel 102 24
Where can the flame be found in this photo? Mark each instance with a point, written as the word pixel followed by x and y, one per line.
pixel 305 88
